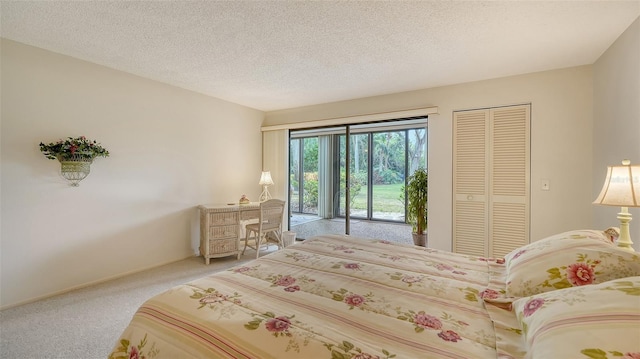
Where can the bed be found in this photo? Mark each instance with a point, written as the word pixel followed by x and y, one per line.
pixel 573 295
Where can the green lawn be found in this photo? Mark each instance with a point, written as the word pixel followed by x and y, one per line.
pixel 386 198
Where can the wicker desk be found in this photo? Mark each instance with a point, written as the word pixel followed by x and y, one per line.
pixel 220 228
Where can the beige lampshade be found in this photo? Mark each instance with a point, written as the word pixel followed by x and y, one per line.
pixel 265 179
pixel 621 187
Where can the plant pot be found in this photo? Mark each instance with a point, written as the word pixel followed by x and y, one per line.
pixel 420 239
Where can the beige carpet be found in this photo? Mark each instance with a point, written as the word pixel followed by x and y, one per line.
pixel 396 232
pixel 87 322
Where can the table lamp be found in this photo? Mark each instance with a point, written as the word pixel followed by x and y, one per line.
pixel 265 182
pixel 622 188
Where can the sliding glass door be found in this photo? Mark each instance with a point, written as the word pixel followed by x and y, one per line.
pixel 374 163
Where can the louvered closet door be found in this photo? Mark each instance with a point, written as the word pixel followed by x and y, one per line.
pixel 470 158
pixel 491 180
pixel 509 181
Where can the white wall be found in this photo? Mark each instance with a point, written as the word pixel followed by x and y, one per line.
pixel 617 119
pixel 171 149
pixel 561 130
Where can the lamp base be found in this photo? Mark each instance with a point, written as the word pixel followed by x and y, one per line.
pixel 265 195
pixel 624 241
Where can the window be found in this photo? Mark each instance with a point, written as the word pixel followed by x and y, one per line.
pixel 380 156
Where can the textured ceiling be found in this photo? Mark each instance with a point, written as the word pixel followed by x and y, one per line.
pixel 275 55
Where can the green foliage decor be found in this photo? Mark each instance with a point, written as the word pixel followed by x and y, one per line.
pixel 417 190
pixel 79 148
pixel 310 195
pixel 355 186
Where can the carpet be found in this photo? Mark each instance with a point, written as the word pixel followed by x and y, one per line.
pixel 86 323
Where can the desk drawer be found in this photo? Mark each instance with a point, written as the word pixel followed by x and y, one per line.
pixel 249 214
pixel 216 232
pixel 223 245
pixel 218 219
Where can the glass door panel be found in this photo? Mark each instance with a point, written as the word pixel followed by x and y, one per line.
pixel 310 175
pixel 359 179
pixel 319 184
pixel 417 143
pixel 294 176
pixel 388 174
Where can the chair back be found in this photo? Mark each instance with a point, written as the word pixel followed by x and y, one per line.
pixel 271 214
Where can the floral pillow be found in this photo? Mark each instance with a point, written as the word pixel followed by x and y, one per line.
pixel 566 260
pixel 597 321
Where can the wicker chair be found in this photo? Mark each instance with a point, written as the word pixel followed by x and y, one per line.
pixel 269 227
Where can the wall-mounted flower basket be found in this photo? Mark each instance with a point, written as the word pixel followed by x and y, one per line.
pixel 75 170
pixel 75 156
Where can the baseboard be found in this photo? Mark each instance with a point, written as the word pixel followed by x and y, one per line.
pixel 89 284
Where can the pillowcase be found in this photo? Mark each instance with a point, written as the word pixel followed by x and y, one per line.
pixel 565 260
pixel 595 321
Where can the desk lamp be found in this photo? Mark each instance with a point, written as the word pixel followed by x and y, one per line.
pixel 265 182
pixel 622 188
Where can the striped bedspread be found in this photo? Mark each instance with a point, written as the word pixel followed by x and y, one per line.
pixel 328 297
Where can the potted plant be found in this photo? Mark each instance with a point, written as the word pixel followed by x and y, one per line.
pixel 79 148
pixel 417 190
pixel 75 156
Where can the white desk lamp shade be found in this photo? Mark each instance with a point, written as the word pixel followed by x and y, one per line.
pixel 265 182
pixel 265 179
pixel 622 188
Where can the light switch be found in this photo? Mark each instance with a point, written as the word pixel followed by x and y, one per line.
pixel 544 184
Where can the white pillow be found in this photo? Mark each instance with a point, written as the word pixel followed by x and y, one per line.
pixel 596 321
pixel 566 260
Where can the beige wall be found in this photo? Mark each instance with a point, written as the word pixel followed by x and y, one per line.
pixel 171 149
pixel 561 130
pixel 617 119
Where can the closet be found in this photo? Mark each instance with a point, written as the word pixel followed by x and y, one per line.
pixel 491 176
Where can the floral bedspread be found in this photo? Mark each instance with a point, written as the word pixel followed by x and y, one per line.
pixel 328 297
